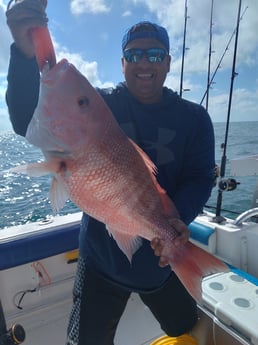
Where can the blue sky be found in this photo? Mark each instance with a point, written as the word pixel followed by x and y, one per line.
pixel 88 33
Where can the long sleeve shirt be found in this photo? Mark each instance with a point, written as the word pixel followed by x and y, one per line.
pixel 175 133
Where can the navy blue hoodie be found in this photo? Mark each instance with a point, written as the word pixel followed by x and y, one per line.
pixel 178 137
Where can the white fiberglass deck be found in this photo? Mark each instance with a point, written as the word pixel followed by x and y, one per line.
pixel 47 325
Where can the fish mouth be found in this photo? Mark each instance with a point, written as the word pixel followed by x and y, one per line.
pixel 50 75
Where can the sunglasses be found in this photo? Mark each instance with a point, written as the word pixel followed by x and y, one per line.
pixel 153 55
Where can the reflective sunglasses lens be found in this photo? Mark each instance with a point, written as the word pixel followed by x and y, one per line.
pixel 133 55
pixel 153 55
pixel 156 54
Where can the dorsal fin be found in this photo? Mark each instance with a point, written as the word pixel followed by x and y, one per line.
pixel 168 205
pixel 148 162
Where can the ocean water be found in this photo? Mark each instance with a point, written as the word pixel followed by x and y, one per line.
pixel 24 199
pixel 242 141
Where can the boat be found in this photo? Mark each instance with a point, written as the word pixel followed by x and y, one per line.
pixel 38 263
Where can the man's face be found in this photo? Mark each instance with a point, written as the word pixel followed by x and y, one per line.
pixel 145 79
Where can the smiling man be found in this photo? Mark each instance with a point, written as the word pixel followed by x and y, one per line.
pixel 178 137
pixel 146 61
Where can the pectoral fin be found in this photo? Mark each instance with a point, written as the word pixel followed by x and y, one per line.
pixel 58 194
pixel 36 169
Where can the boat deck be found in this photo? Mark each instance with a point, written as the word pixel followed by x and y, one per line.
pixel 40 258
pixel 47 325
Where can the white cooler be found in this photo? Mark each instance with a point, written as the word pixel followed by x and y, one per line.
pixel 234 302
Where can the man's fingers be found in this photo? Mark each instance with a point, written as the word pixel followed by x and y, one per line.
pixel 21 18
pixel 157 245
pixel 163 261
pixel 25 10
pixel 182 230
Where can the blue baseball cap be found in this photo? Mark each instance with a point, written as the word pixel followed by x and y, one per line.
pixel 146 29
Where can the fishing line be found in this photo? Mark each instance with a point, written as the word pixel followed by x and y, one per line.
pixel 183 52
pixel 209 60
pixel 218 218
pixel 223 209
pixel 221 59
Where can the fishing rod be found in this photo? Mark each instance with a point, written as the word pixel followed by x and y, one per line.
pixel 221 59
pixel 183 52
pixel 209 60
pixel 224 185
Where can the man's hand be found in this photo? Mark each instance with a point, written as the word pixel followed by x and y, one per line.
pixel 23 16
pixel 157 244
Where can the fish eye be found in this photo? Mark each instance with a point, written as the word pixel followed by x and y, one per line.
pixel 83 102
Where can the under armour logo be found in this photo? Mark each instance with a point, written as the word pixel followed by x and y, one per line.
pixel 164 154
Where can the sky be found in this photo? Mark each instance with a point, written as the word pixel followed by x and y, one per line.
pixel 88 33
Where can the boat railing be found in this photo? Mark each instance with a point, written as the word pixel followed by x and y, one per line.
pixel 243 217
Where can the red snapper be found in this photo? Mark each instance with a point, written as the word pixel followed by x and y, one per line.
pixel 102 171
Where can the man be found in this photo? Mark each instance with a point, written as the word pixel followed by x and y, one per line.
pixel 178 137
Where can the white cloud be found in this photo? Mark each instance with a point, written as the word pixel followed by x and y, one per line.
pixel 88 69
pixel 171 15
pixel 243 106
pixel 5 39
pixel 88 6
pixel 127 14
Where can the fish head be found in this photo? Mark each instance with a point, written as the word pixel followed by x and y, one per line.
pixel 70 113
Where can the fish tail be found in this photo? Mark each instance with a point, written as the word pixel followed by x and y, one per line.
pixel 195 264
pixel 44 49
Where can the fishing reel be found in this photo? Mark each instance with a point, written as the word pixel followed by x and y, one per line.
pixel 14 336
pixel 227 185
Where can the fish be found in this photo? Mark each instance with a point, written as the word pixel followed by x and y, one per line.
pixel 105 173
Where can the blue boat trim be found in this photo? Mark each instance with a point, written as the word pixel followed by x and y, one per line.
pixel 200 232
pixel 38 246
pixel 244 275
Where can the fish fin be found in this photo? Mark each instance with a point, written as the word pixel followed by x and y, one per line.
pixel 191 264
pixel 168 205
pixel 148 162
pixel 58 194
pixel 128 244
pixel 36 169
pixel 44 50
